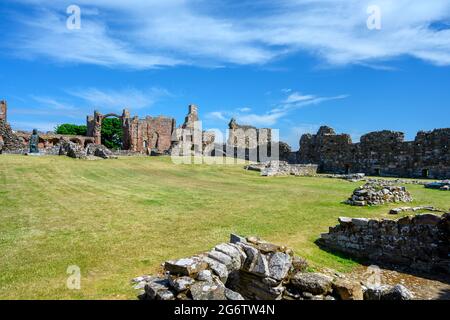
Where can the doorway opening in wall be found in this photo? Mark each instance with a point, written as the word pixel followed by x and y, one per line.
pixel 377 172
pixel 154 142
pixel 347 169
pixel 112 132
pixel 425 173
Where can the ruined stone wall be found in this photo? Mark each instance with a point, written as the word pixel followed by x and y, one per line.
pixel 150 134
pixel 9 141
pixel 420 242
pixel 382 153
pixel 3 110
pixel 253 269
pixel 190 138
pixel 250 143
pixel 139 135
pixel 48 143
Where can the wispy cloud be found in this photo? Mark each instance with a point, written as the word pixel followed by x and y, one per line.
pixel 28 125
pixel 118 99
pixel 216 115
pixel 293 136
pixel 152 33
pixel 53 104
pixel 298 97
pixel 292 102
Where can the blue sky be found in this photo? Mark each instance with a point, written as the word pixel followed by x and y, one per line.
pixel 292 65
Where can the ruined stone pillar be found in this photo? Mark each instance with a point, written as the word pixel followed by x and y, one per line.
pixel 97 132
pixel 3 109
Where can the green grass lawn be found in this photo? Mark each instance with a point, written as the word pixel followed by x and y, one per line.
pixel 117 219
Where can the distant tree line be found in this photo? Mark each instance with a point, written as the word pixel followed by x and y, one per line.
pixel 112 133
pixel 71 129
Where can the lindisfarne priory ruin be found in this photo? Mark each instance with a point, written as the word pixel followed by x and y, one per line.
pixel 381 153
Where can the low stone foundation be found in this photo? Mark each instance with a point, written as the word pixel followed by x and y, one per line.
pixel 252 269
pixel 443 185
pixel 420 242
pixel 282 168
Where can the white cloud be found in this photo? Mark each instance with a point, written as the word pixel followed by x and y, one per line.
pixel 146 34
pixel 216 115
pixel 298 97
pixel 119 99
pixel 53 104
pixel 293 136
pixel 244 109
pixel 26 126
pixel 292 102
pixel 258 120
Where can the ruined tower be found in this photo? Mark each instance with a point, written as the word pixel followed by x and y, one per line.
pixel 191 117
pixel 3 109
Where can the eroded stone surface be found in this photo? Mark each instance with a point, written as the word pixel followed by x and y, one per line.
pixel 314 283
pixel 269 272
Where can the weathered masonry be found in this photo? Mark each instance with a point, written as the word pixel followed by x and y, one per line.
pixel 3 109
pixel 251 143
pixel 420 242
pixel 382 153
pixel 139 135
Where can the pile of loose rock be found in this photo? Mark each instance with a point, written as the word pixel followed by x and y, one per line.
pixel 249 268
pixel 282 168
pixel 375 193
pixel 440 185
pixel 92 151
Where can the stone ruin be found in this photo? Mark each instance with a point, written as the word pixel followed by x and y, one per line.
pixel 190 139
pixel 351 177
pixel 383 153
pixel 139 135
pixel 252 269
pixel 8 139
pixel 151 135
pixel 282 168
pixel 376 193
pixel 415 209
pixel 443 185
pixel 249 143
pixel 91 152
pixel 419 243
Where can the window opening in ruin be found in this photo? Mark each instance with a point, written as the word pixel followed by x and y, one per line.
pixel 377 172
pixel 425 173
pixel 347 169
pixel 155 140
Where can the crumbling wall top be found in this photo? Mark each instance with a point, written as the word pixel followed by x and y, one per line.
pixel 3 110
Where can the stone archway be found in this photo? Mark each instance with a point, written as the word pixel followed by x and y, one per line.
pixel 94 125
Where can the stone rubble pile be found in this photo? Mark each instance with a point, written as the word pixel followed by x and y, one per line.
pixel 375 193
pixel 282 168
pixel 92 151
pixel 251 269
pixel 441 185
pixel 414 209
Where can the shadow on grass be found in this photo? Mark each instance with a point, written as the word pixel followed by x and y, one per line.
pixel 437 276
